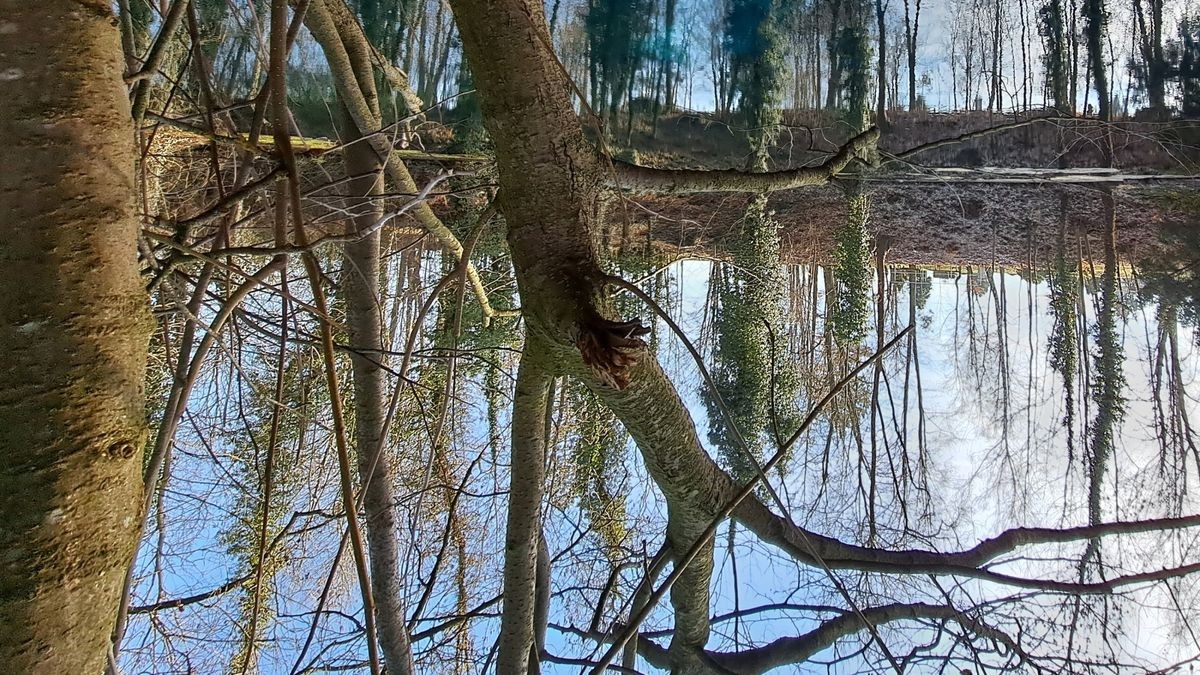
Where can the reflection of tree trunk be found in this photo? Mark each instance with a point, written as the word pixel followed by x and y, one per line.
pixel 444 383
pixel 73 328
pixel 745 319
pixel 916 365
pixel 336 29
pixel 1172 423
pixel 1064 298
pixel 1110 378
pixel 1000 296
pixel 364 320
pixel 876 411
pixel 1181 424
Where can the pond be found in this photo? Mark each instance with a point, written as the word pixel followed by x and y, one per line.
pixel 1014 357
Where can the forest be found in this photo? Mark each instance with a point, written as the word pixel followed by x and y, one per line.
pixel 588 336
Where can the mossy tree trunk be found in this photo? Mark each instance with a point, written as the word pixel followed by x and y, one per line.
pixel 74 328
pixel 552 185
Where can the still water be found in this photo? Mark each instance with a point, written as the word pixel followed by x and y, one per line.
pixel 1051 391
pixel 1047 379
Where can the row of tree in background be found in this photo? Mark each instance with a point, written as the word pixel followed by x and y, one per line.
pixel 805 54
pixel 730 57
pixel 636 59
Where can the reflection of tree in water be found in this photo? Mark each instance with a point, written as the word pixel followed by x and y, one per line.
pixel 852 253
pixel 1109 378
pixel 1173 277
pixel 267 456
pixel 1170 281
pixel 595 440
pixel 597 446
pixel 852 269
pixel 746 315
pixel 1173 425
pixel 1064 335
pixel 452 348
pixel 869 451
pixel 1106 394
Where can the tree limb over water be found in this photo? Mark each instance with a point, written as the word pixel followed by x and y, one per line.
pixel 643 179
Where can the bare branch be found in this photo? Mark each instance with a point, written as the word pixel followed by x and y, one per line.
pixel 643 179
pixel 792 650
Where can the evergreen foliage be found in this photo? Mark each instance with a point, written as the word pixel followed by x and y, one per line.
pixel 747 320
pixel 754 40
pixel 852 269
pixel 1057 56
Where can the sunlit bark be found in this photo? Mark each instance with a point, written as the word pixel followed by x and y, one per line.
pixel 74 329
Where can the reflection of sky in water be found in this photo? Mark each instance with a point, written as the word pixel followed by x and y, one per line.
pixel 991 465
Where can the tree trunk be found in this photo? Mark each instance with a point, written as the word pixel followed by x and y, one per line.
pixel 1107 392
pixel 549 174
pixel 671 74
pixel 912 26
pixel 73 328
pixel 360 279
pixel 1057 53
pixel 1095 15
pixel 552 186
pixel 881 69
pixel 1158 63
pixel 835 64
pixel 526 486
pixel 996 97
pixel 334 26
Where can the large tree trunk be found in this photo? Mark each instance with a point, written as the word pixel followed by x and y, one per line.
pixel 552 182
pixel 73 328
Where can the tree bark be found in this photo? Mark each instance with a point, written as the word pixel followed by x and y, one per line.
pixel 644 179
pixel 911 30
pixel 552 183
pixel 350 56
pixel 74 327
pixel 1096 18
pixel 526 486
pixel 881 66
pixel 364 321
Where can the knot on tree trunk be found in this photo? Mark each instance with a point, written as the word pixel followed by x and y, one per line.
pixel 611 348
